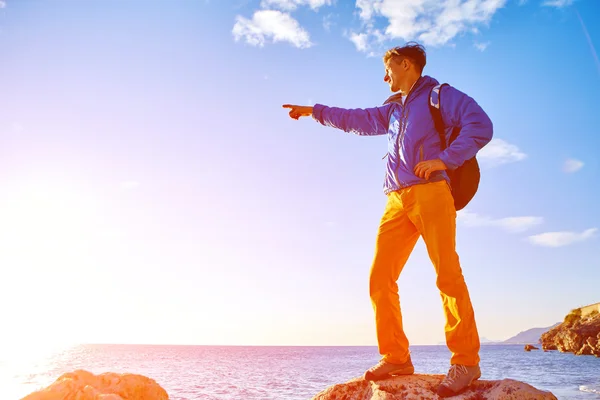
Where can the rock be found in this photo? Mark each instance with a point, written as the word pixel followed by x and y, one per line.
pixel 529 347
pixel 83 385
pixel 578 334
pixel 424 387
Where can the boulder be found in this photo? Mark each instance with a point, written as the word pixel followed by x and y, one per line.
pixel 83 385
pixel 424 387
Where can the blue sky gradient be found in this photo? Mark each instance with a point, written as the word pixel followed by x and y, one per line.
pixel 153 190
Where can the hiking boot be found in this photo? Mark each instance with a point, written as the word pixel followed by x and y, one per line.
pixel 458 379
pixel 384 370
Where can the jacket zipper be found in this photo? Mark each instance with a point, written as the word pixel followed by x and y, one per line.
pixel 402 126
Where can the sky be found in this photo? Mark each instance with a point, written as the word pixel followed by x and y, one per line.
pixel 153 189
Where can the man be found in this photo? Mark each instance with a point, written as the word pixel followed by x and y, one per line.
pixel 419 203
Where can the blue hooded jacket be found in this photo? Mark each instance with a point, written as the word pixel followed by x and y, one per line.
pixel 412 136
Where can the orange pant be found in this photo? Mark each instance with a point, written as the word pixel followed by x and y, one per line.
pixel 421 210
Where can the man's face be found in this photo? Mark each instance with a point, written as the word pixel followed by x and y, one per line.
pixel 393 73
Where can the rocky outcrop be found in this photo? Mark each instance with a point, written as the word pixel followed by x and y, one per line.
pixel 424 387
pixel 529 347
pixel 577 334
pixel 83 385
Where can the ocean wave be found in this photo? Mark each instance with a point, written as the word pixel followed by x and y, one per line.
pixel 590 389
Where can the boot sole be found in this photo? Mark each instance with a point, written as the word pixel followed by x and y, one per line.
pixel 448 393
pixel 406 371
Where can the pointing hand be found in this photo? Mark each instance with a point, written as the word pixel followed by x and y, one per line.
pixel 299 111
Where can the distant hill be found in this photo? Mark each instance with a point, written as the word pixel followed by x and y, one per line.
pixel 529 336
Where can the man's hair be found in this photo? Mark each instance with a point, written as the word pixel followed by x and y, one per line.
pixel 411 50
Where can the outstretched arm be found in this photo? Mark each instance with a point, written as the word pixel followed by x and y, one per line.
pixel 370 121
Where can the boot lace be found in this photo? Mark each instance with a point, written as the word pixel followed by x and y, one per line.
pixel 455 372
pixel 376 366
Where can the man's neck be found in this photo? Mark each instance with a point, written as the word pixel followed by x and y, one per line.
pixel 409 85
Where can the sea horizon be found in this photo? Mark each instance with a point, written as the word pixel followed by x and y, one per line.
pixel 292 372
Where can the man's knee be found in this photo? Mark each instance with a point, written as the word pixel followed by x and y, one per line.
pixel 452 285
pixel 381 281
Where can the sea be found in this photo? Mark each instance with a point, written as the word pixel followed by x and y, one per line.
pixel 287 372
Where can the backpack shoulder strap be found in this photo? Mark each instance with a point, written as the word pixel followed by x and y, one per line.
pixel 435 97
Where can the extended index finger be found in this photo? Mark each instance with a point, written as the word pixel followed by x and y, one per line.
pixel 288 106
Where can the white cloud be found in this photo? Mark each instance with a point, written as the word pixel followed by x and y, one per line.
pixel 572 165
pixel 510 224
pixel 558 239
pixel 364 41
pixel 557 3
pixel 291 5
pixel 498 152
pixel 359 40
pixel 327 22
pixel 270 25
pixel 481 46
pixel 2 4
pixel 367 9
pixel 431 22
pixel 518 224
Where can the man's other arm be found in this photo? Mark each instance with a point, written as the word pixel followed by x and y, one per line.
pixel 460 110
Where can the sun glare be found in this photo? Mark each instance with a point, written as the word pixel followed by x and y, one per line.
pixel 44 232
